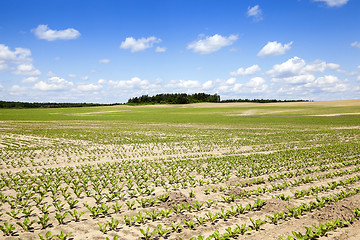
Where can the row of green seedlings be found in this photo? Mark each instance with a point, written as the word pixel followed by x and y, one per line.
pixel 293 159
pixel 162 172
pixel 103 209
pixel 192 224
pixel 322 229
pixel 292 212
pixel 317 189
pixel 77 188
pixel 27 224
pixel 8 230
pixel 284 185
pixel 110 197
pixel 230 233
pixel 303 207
pixel 311 233
pixel 321 168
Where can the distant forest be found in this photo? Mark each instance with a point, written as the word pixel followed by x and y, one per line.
pixel 6 104
pixel 174 98
pixel 165 98
pixel 183 98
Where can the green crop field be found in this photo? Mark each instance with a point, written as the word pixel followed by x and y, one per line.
pixel 197 171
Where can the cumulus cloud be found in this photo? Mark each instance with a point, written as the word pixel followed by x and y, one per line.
pixel 133 83
pixel 274 48
pixel 20 55
pixel 256 84
pixel 255 12
pixel 20 58
pixel 16 90
pixel 104 61
pixel 297 66
pixel 247 71
pixel 333 3
pixel 328 83
pixel 44 32
pixel 89 87
pixel 211 44
pixel 30 79
pixel 3 65
pixel 355 44
pixel 208 85
pixel 160 49
pixel 136 45
pixel 52 84
pixel 184 84
pixel 26 69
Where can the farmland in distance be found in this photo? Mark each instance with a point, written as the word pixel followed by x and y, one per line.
pixel 197 171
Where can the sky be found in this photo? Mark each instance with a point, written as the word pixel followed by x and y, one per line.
pixel 110 51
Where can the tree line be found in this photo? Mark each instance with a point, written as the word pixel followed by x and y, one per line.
pixel 183 98
pixel 9 104
pixel 164 98
pixel 174 98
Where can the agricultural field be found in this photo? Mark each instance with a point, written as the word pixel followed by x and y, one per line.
pixel 197 171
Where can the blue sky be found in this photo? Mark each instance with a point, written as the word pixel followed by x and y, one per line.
pixel 110 51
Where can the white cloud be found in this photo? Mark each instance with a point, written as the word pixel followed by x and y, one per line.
pixel 297 79
pixel 53 83
pixel 20 55
pixel 328 83
pixel 230 81
pixel 255 12
pixel 89 87
pixel 298 68
pixel 26 69
pixel 355 44
pixel 43 32
pixel 184 84
pixel 160 49
pixel 208 85
pixel 274 48
pixel 3 65
pixel 71 75
pixel 20 58
pixel 247 71
pixel 211 43
pixel 139 44
pixel 104 61
pixel 256 84
pixel 133 83
pixel 333 3
pixel 333 66
pixel 289 68
pixel 17 90
pixel 84 78
pixel 51 74
pixel 30 79
pixel 101 81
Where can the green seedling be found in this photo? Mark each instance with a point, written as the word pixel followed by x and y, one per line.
pixel 47 236
pixel 147 233
pixel 76 215
pixel 44 220
pixel 7 229
pixel 26 224
pixel 63 235
pixel 61 217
